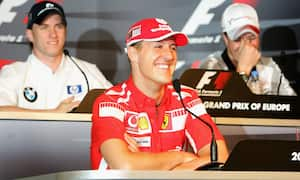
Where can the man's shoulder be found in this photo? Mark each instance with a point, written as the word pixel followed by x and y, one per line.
pixel 186 92
pixel 17 67
pixel 268 62
pixel 113 93
pixel 86 66
pixel 85 62
pixel 213 61
pixel 185 88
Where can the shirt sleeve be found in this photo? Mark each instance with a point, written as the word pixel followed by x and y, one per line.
pixel 8 86
pixel 107 123
pixel 199 133
pixel 95 76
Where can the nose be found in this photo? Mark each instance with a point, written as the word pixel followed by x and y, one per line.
pixel 53 32
pixel 169 53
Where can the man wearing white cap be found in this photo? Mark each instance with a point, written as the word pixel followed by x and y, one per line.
pixel 50 80
pixel 141 123
pixel 240 26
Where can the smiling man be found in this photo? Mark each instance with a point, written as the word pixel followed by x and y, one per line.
pixel 49 80
pixel 240 26
pixel 140 123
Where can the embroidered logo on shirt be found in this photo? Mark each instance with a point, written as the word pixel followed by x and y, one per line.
pixel 143 123
pixel 137 123
pixel 174 120
pixel 74 89
pixel 30 94
pixel 166 121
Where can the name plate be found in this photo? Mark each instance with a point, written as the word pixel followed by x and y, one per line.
pixel 225 94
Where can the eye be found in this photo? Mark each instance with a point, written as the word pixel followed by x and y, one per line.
pixel 158 46
pixel 174 47
pixel 43 26
pixel 60 26
pixel 238 40
pixel 251 38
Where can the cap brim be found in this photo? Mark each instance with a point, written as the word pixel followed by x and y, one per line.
pixel 235 34
pixel 180 39
pixel 40 18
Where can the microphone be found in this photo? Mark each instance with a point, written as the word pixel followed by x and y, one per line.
pixel 66 52
pixel 213 145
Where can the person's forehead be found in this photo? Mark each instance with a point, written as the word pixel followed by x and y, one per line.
pixel 53 16
pixel 170 40
pixel 249 34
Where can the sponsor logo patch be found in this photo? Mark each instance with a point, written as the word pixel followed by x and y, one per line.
pixel 166 121
pixel 138 123
pixel 74 89
pixel 30 94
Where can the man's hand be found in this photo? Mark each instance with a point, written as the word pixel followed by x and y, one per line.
pixel 247 56
pixel 190 160
pixel 67 105
pixel 132 144
pixel 192 165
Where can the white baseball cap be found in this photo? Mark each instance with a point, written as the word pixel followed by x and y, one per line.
pixel 238 19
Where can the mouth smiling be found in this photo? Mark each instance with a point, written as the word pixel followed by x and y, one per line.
pixel 52 42
pixel 163 66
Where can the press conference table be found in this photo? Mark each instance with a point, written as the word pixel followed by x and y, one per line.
pixel 85 117
pixel 41 143
pixel 163 175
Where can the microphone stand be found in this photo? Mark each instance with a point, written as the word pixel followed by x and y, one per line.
pixel 66 52
pixel 214 164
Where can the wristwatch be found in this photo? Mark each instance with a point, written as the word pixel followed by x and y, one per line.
pixel 244 76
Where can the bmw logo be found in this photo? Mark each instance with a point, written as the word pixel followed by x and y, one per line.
pixel 30 94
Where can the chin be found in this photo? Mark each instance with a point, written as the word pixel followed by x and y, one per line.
pixel 165 81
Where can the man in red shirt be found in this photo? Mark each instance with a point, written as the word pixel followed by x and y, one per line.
pixel 141 123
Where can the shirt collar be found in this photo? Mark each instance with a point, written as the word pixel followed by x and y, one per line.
pixel 227 61
pixel 36 61
pixel 141 100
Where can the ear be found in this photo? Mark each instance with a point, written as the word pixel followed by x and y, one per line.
pixel 225 38
pixel 132 54
pixel 29 35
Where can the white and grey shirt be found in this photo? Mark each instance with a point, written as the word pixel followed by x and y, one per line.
pixel 271 80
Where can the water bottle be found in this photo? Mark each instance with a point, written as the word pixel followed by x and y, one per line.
pixel 254 83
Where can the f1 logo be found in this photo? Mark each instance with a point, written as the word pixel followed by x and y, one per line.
pixel 206 79
pixel 6 15
pixel 201 15
pixel 215 80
